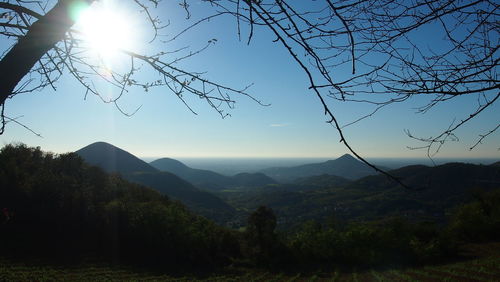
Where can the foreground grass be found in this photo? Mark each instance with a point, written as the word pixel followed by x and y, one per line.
pixel 485 267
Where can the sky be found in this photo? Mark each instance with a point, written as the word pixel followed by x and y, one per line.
pixel 293 125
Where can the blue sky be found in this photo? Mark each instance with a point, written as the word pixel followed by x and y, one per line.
pixel 292 126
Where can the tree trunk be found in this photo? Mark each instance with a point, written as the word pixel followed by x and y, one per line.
pixel 41 37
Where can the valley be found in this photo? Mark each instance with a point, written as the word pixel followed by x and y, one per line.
pixel 344 188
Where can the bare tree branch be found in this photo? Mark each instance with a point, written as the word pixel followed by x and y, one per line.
pixel 386 45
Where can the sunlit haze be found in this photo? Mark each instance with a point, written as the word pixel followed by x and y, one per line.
pixel 107 27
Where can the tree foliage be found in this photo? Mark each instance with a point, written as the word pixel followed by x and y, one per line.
pixel 479 220
pixel 260 235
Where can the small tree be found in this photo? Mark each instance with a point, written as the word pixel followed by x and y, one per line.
pixel 260 234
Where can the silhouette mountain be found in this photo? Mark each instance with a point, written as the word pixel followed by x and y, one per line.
pixel 203 178
pixel 114 159
pixel 208 179
pixel 446 179
pixel 346 166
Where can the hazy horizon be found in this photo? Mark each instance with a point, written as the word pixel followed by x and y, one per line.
pixel 234 165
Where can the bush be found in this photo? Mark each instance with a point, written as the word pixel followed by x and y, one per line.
pixel 479 220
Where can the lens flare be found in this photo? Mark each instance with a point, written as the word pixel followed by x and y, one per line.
pixel 105 29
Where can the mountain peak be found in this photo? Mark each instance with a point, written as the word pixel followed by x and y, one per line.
pixel 97 144
pixel 344 159
pixel 347 157
pixel 168 164
pixel 112 159
pixel 345 166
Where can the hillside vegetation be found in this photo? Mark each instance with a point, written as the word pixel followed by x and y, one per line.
pixel 434 192
pixel 59 209
pixel 483 268
pixel 115 160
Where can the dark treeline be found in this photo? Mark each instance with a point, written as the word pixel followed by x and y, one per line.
pixel 58 207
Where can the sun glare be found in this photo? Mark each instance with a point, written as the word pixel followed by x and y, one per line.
pixel 106 29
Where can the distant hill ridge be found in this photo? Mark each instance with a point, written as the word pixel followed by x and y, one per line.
pixel 345 166
pixel 202 178
pixel 208 179
pixel 434 191
pixel 113 159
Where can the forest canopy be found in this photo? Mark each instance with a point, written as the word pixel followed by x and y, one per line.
pixel 57 207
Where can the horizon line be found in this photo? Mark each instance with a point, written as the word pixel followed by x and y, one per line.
pixel 315 157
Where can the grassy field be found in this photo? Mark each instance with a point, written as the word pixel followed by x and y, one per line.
pixel 483 264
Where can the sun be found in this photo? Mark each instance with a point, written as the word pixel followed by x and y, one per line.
pixel 106 29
